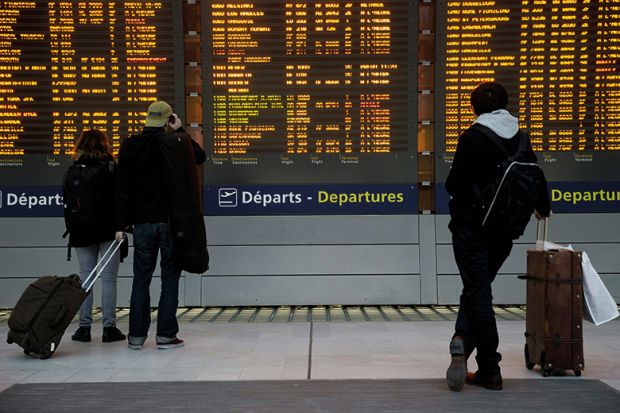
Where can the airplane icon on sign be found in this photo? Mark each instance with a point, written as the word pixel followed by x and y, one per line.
pixel 227 197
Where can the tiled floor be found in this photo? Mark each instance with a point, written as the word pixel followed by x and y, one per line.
pixel 299 350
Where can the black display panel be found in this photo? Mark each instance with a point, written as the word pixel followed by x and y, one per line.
pixel 307 92
pixel 66 66
pixel 559 61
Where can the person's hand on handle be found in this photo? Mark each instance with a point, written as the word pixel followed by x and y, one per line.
pixel 119 235
pixel 539 216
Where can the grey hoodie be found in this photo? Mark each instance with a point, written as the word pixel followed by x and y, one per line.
pixel 500 122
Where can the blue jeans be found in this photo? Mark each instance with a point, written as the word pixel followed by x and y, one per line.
pixel 479 258
pixel 148 240
pixel 88 257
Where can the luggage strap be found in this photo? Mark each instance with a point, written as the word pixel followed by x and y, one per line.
pixel 99 267
pixel 550 280
pixel 563 341
pixel 547 340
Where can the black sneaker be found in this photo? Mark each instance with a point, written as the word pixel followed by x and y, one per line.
pixel 457 371
pixel 173 343
pixel 81 334
pixel 111 334
pixel 492 382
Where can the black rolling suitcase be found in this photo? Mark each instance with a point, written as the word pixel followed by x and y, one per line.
pixel 47 307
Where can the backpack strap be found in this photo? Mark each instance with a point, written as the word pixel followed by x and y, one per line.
pixel 499 142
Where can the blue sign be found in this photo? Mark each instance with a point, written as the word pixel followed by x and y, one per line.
pixel 31 201
pixel 310 199
pixel 585 196
pixel 566 197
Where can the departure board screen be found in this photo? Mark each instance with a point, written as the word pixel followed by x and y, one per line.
pixel 310 91
pixel 559 61
pixel 67 66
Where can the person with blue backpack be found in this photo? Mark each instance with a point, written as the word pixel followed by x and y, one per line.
pixel 495 186
pixel 88 197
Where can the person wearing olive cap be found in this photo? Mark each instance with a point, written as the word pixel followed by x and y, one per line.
pixel 141 202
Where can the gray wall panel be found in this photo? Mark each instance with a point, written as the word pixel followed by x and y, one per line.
pixel 32 232
pixel 193 290
pixel 299 256
pixel 341 229
pixel 124 291
pixel 314 259
pixel 612 282
pixel 11 289
pixel 308 290
pixel 515 263
pixel 507 289
pixel 604 257
pixel 563 229
pixel 428 262
pixel 40 261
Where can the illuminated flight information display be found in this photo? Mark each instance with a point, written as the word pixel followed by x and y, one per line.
pixel 559 61
pixel 310 91
pixel 67 66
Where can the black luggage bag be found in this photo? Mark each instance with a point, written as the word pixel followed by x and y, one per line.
pixel 43 313
pixel 47 307
pixel 187 228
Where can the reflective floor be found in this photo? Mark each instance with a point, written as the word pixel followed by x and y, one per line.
pixel 270 343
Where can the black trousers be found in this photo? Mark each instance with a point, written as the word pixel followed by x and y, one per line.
pixel 479 258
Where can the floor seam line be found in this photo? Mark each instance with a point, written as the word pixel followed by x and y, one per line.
pixel 310 352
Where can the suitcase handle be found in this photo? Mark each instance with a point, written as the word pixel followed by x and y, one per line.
pixel 540 243
pixel 90 282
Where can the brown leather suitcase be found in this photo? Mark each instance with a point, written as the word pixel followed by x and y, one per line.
pixel 554 314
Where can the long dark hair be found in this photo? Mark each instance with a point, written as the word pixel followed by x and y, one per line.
pixel 93 144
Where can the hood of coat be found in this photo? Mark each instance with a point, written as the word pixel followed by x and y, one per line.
pixel 501 122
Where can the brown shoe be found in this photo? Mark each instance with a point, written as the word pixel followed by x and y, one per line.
pixel 493 382
pixel 457 371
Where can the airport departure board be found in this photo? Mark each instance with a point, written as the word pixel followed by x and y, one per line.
pixel 66 66
pixel 310 91
pixel 559 61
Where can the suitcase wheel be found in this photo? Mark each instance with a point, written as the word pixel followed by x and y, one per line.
pixel 26 352
pixel 546 372
pixel 528 364
pixel 10 340
pixel 46 355
pixel 577 373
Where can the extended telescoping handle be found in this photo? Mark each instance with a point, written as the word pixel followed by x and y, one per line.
pixel 100 266
pixel 540 242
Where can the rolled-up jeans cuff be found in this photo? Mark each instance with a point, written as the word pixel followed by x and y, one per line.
pixel 136 340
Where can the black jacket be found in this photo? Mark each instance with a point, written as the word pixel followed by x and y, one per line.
pixel 475 166
pixel 140 194
pixel 103 230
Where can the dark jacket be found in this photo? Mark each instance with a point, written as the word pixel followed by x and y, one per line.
pixel 103 230
pixel 140 194
pixel 475 165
